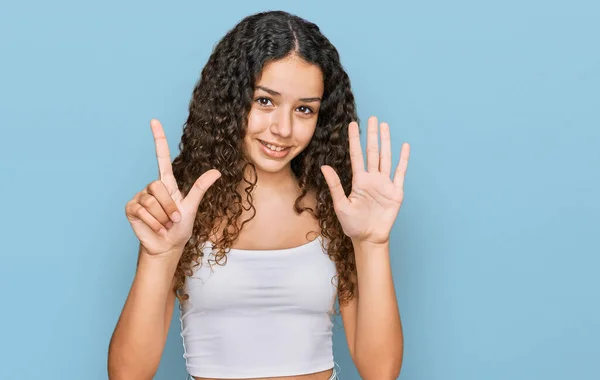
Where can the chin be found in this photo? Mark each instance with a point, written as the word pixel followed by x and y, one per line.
pixel 270 166
pixel 265 163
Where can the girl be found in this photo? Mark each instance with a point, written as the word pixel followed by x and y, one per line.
pixel 266 216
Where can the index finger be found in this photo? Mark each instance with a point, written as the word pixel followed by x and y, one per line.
pixel 162 150
pixel 356 156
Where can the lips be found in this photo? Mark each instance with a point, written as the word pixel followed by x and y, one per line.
pixel 274 151
pixel 273 146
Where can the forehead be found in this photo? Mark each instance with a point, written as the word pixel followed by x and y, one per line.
pixel 293 77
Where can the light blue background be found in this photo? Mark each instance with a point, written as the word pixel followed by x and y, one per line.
pixel 496 249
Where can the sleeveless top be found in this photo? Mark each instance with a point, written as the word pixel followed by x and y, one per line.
pixel 265 313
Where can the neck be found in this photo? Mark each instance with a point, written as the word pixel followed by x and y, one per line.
pixel 281 182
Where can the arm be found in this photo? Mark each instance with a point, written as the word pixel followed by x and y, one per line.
pixel 367 214
pixel 139 338
pixel 163 220
pixel 371 319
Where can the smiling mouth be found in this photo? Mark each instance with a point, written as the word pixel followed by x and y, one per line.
pixel 274 148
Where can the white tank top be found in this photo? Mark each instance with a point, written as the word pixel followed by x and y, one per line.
pixel 265 313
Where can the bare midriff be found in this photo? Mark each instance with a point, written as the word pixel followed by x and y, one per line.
pixel 323 375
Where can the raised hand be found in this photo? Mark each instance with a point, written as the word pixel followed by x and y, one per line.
pixel 160 217
pixel 369 212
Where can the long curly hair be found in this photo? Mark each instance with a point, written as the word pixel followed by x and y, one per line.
pixel 216 125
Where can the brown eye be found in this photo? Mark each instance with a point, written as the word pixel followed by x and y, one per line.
pixel 305 110
pixel 263 101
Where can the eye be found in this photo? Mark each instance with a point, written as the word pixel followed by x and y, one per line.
pixel 263 102
pixel 305 110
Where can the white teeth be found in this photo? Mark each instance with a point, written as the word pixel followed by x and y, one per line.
pixel 273 147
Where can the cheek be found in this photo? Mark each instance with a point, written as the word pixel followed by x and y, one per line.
pixel 256 121
pixel 306 133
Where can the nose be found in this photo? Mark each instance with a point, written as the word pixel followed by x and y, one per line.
pixel 281 125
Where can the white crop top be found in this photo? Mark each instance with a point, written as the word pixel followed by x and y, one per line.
pixel 265 313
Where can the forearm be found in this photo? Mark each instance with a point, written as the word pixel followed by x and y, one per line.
pixel 139 337
pixel 379 339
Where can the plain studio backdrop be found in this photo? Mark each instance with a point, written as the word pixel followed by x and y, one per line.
pixel 495 252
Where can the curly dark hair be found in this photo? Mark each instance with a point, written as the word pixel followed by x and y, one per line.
pixel 216 125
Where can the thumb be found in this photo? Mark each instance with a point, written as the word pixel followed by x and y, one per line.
pixel 335 187
pixel 196 193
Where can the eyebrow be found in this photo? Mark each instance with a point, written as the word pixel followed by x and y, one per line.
pixel 275 93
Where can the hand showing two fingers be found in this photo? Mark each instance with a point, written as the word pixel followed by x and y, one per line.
pixel 160 216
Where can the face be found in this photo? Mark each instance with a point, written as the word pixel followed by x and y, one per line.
pixel 284 113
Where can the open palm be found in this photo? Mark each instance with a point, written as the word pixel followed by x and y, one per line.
pixel 370 210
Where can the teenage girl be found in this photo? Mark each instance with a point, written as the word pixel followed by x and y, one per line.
pixel 268 215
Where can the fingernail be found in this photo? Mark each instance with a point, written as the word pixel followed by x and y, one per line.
pixel 176 217
pixel 163 232
pixel 169 224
